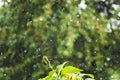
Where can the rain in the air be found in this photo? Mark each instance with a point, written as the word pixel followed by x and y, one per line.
pixel 59 39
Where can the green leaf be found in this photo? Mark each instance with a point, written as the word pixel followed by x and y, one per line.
pixel 52 73
pixel 60 67
pixel 70 69
pixel 90 75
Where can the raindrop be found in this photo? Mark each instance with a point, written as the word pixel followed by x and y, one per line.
pixel 1 69
pixel 96 40
pixel 108 28
pixel 112 76
pixel 84 31
pixel 101 78
pixel 39 55
pixel 25 51
pixel 71 20
pixel 4 57
pixel 95 52
pixel 41 19
pixel 97 19
pixel 38 49
pixel 108 59
pixel 95 72
pixel 51 40
pixel 89 40
pixel 34 67
pixel 4 74
pixel 29 23
pixel 119 14
pixel 55 57
pixel 1 53
pixel 78 15
pixel 69 1
pixel 106 64
pixel 113 42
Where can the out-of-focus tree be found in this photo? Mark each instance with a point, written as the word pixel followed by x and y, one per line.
pixel 84 32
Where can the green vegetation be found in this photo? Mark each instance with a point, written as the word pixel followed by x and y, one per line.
pixel 65 73
pixel 84 32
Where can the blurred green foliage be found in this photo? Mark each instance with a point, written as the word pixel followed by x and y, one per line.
pixel 88 36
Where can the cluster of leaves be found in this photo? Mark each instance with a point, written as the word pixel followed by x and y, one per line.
pixel 67 73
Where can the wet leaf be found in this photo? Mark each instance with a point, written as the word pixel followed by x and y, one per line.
pixel 70 69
